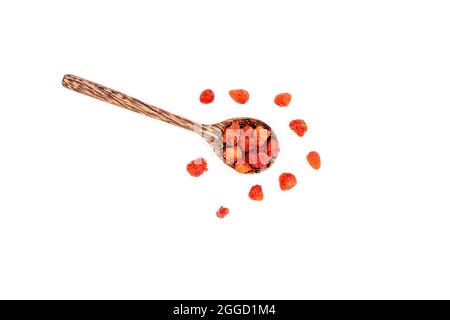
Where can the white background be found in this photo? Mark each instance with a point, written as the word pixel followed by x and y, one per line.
pixel 95 201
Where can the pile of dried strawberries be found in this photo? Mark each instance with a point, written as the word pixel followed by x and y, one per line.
pixel 248 149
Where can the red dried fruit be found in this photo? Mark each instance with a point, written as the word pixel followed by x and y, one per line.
pixel 287 181
pixel 234 125
pixel 222 212
pixel 314 160
pixel 259 160
pixel 246 147
pixel 239 95
pixel 261 135
pixel 282 99
pixel 243 168
pixel 273 148
pixel 197 167
pixel 207 96
pixel 256 193
pixel 247 142
pixel 232 133
pixel 298 126
pixel 233 154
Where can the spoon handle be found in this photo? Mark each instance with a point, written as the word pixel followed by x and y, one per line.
pixel 117 98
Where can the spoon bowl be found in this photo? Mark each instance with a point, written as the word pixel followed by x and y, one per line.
pixel 216 134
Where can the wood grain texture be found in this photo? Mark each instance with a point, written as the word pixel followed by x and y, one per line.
pixel 117 98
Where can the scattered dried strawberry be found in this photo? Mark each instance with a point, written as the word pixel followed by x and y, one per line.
pixel 298 126
pixel 282 99
pixel 197 167
pixel 207 96
pixel 287 181
pixel 256 193
pixel 239 95
pixel 222 212
pixel 314 159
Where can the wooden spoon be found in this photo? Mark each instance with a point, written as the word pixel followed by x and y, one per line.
pixel 212 133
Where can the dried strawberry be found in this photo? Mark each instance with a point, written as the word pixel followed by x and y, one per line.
pixel 234 125
pixel 197 167
pixel 283 99
pixel 232 133
pixel 243 168
pixel 222 212
pixel 247 141
pixel 256 193
pixel 207 96
pixel 233 154
pixel 298 126
pixel 259 160
pixel 261 134
pixel 314 160
pixel 263 160
pixel 287 181
pixel 273 148
pixel 239 95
